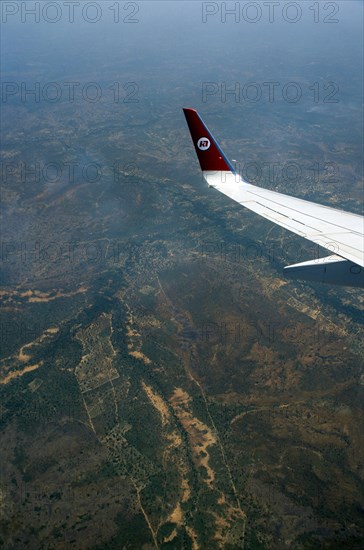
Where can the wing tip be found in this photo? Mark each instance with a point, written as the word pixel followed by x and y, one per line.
pixel 209 153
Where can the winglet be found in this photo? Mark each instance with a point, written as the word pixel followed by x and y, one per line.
pixel 209 152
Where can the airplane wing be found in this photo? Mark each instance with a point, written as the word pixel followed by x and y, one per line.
pixel 342 233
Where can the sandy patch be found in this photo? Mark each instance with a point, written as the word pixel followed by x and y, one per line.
pixel 157 403
pixel 200 435
pixel 17 373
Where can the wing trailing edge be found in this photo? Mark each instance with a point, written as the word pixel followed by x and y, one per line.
pixel 331 269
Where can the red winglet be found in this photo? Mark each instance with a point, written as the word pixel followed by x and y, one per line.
pixel 208 151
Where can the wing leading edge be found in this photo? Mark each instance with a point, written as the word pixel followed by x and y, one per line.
pixel 340 232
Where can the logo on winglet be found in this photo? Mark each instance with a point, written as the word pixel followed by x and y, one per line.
pixel 203 144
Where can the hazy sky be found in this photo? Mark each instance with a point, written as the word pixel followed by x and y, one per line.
pixel 149 31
